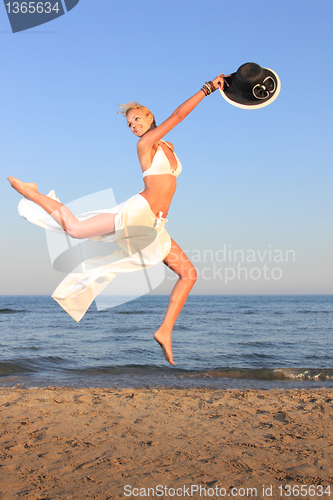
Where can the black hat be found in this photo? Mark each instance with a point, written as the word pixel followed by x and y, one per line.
pixel 251 87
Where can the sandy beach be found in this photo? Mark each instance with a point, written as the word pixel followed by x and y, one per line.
pixel 63 443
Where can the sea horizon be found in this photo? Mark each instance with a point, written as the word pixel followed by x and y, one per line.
pixel 219 342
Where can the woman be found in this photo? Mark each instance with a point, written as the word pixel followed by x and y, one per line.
pixel 156 157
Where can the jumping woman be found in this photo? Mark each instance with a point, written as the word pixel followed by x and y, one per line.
pixel 149 208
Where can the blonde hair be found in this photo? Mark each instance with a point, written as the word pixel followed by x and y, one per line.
pixel 126 108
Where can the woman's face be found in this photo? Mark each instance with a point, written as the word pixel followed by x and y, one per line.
pixel 139 122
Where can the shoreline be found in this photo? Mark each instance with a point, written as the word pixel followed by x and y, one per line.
pixel 168 381
pixel 74 443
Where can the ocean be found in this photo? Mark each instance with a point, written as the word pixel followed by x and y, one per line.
pixel 219 342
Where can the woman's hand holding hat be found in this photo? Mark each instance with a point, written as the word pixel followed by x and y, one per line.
pixel 219 81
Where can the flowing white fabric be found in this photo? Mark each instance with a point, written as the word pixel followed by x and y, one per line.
pixel 141 236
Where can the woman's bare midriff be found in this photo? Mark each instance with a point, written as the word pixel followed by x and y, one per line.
pixel 159 193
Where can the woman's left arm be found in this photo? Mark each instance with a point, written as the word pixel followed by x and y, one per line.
pixel 153 136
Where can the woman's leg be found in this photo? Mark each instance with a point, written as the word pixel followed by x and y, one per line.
pixel 95 226
pixel 180 264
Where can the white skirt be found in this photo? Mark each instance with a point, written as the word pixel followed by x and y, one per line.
pixel 141 236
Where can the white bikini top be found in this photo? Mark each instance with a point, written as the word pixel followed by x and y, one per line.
pixel 160 164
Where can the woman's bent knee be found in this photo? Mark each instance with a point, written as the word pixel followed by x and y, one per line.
pixel 190 274
pixel 193 274
pixel 73 230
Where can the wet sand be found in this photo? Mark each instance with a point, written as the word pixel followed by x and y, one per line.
pixel 61 443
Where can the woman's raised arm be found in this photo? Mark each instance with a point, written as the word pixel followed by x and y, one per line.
pixel 153 136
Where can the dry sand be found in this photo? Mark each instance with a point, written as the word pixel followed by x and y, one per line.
pixel 61 443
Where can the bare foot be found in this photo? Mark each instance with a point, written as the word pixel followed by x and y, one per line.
pixel 22 187
pixel 164 339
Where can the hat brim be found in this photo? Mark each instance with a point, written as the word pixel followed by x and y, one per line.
pixel 246 100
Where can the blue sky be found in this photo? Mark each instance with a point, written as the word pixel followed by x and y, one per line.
pixel 255 181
